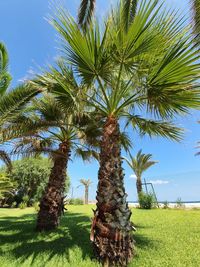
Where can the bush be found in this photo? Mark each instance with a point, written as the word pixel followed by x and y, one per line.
pixel 75 201
pixel 14 204
pixel 166 205
pixel 179 204
pixel 36 206
pixel 146 201
pixel 22 205
pixel 25 199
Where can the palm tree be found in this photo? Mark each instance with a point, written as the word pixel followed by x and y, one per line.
pixel 86 183
pixel 6 185
pixel 49 127
pixel 140 71
pixel 140 164
pixel 10 103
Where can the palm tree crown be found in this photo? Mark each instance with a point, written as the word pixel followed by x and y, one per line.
pixel 86 183
pixel 139 164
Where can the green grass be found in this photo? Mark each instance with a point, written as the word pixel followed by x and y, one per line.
pixel 164 238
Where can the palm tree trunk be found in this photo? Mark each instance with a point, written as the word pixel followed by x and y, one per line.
pixel 111 228
pixel 86 194
pixel 52 200
pixel 139 186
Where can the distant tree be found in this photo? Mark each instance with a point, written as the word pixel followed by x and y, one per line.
pixel 31 176
pixel 86 184
pixel 7 188
pixel 140 164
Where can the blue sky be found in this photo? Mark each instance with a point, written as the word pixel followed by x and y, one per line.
pixel 32 43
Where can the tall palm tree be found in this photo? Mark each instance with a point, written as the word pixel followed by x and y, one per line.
pixel 141 72
pixel 86 183
pixel 140 164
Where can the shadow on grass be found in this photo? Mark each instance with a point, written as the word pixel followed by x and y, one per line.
pixel 18 234
pixel 143 242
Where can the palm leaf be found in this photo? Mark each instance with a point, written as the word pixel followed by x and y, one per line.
pixel 196 20
pixel 85 13
pixel 5 77
pixel 13 102
pixel 6 159
pixel 155 128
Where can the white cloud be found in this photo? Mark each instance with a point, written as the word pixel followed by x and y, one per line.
pixel 159 182
pixel 132 176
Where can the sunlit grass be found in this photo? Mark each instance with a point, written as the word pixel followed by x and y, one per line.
pixel 164 238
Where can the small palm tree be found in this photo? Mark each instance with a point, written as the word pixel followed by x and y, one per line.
pixel 7 187
pixel 48 126
pixel 86 184
pixel 140 164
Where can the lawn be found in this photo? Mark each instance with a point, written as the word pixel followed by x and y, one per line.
pixel 164 238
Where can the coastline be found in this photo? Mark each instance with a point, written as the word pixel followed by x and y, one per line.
pixel 188 205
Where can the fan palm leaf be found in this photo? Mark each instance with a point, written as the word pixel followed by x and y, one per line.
pixel 85 13
pixel 196 20
pixel 5 77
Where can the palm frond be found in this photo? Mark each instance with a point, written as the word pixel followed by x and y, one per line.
pixel 156 128
pixel 129 10
pixel 196 20
pixel 86 182
pixel 85 51
pixel 85 13
pixel 5 77
pixel 33 146
pixel 86 154
pixel 13 102
pixel 6 159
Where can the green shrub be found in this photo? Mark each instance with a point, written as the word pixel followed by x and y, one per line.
pixel 14 205
pixel 22 205
pixel 166 205
pixel 75 201
pixel 25 199
pixel 36 206
pixel 146 201
pixel 179 204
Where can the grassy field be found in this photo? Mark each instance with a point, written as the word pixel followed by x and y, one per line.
pixel 164 238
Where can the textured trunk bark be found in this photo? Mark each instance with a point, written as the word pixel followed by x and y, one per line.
pixel 111 231
pixel 52 200
pixel 86 195
pixel 139 186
